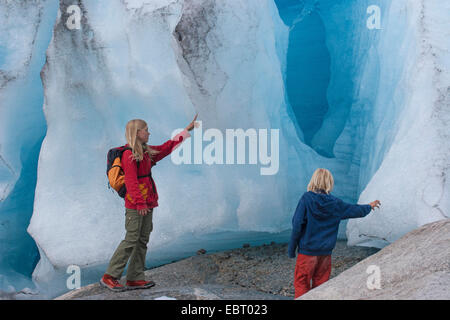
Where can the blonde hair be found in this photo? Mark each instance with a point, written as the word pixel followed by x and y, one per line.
pixel 321 180
pixel 137 149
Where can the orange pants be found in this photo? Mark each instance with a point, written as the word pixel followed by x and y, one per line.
pixel 307 268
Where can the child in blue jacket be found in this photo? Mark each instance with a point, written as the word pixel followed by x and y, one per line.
pixel 314 230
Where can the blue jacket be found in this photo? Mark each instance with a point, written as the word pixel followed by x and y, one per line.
pixel 316 221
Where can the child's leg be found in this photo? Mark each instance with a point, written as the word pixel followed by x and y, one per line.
pixel 123 252
pixel 322 271
pixel 136 267
pixel 304 270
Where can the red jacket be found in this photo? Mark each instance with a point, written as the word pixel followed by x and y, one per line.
pixel 142 193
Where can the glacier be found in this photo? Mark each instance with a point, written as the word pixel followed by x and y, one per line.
pixel 412 175
pixel 371 105
pixel 25 33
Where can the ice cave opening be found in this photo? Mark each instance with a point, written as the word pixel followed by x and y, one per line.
pixel 334 63
pixel 307 68
pixel 324 50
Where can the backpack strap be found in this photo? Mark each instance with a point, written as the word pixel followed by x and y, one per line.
pixel 138 162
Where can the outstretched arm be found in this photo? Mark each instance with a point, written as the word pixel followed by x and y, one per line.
pixel 350 211
pixel 166 148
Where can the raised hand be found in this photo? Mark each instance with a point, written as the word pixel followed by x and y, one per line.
pixel 375 204
pixel 192 124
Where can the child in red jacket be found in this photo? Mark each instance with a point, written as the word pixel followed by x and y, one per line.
pixel 314 230
pixel 140 199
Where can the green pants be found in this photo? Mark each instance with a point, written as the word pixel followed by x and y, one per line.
pixel 133 247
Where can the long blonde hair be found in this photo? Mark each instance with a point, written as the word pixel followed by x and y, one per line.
pixel 321 180
pixel 137 149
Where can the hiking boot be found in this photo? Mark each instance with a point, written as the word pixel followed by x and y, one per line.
pixel 139 284
pixel 111 283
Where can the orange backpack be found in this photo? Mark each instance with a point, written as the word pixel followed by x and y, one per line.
pixel 114 171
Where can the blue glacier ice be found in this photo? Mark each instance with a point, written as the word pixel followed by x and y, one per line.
pixel 370 104
pixel 25 33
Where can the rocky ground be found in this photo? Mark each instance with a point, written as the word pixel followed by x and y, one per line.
pixel 263 272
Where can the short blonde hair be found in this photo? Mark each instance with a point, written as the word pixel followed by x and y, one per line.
pixel 322 179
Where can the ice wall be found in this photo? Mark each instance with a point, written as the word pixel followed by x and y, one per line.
pixel 343 96
pixel 25 32
pixel 161 61
pixel 408 135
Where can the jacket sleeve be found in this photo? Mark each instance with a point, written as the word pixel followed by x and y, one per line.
pixel 131 181
pixel 350 211
pixel 298 222
pixel 166 148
